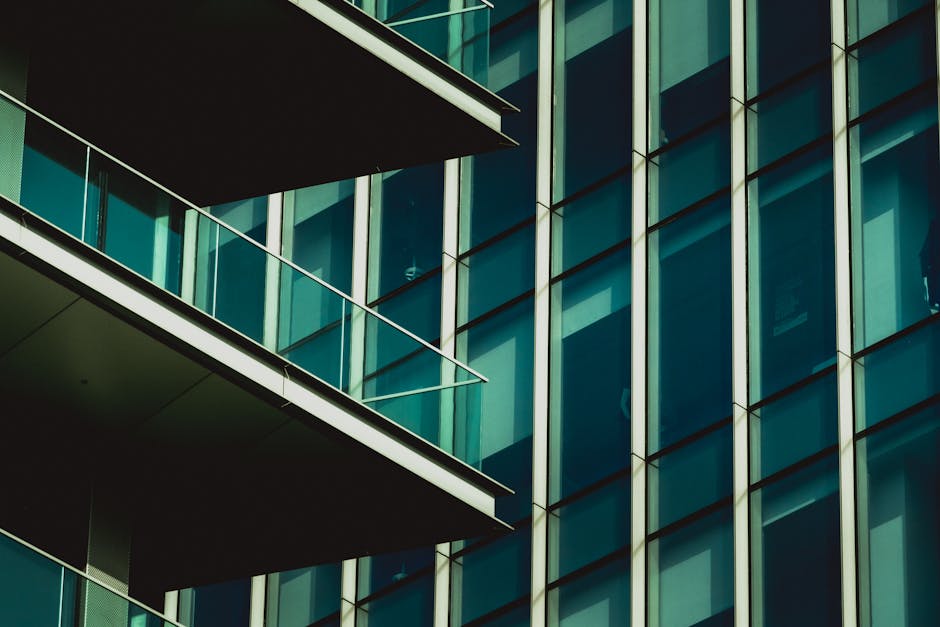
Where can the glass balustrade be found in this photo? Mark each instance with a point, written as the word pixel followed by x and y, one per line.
pixel 179 247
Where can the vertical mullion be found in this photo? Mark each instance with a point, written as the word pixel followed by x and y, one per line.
pixel 542 314
pixel 638 315
pixel 739 294
pixel 843 272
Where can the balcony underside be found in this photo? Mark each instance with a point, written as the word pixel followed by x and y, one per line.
pixel 222 475
pixel 226 99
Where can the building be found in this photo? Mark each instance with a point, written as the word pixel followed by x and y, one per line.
pixel 703 290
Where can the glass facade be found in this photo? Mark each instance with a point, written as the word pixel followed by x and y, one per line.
pixel 710 341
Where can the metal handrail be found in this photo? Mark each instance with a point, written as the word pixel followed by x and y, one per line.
pixel 276 256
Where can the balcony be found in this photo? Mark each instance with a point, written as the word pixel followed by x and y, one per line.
pixel 156 351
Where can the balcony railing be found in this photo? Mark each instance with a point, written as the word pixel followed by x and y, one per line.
pixel 37 589
pixel 66 181
pixel 455 31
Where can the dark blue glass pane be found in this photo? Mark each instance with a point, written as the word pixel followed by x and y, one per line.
pixel 410 227
pixel 796 555
pixel 779 56
pixel 377 572
pixel 792 273
pixel 490 576
pixel 690 478
pixel 689 171
pixel 497 274
pixel 600 598
pixel 589 528
pixel 590 420
pixel 793 427
pixel 590 224
pixel 412 605
pixel 690 318
pixel 222 604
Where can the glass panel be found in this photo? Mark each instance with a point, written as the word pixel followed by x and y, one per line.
pixel 592 92
pixel 377 572
pixel 590 391
pixel 490 201
pixel 691 578
pixel 490 576
pixel 689 290
pixel 867 16
pixel 895 237
pixel 601 597
pixel 230 278
pixel 790 118
pixel 892 63
pixel 897 376
pixel 689 171
pixel 496 274
pixel 249 216
pixel 793 427
pixel 53 176
pixel 412 605
pixel 899 514
pixel 590 224
pixel 502 347
pixel 773 55
pixel 407 226
pixel 318 231
pixel 30 586
pixel 219 605
pixel 517 617
pixel 589 528
pixel 300 597
pixel 795 549
pixel 791 273
pixel 417 308
pixel 688 479
pixel 689 66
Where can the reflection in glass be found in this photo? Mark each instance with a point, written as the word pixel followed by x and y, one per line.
pixel 590 224
pixel 690 575
pixel 791 273
pixel 795 549
pixel 867 16
pixel 377 572
pixel 590 404
pixel 601 597
pixel 895 199
pixel 300 597
pixel 689 324
pixel 496 274
pixel 898 517
pixel 490 576
pixel 412 605
pixel 773 55
pixel 689 69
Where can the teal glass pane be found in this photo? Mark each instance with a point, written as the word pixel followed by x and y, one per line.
pixel 249 216
pixel 895 199
pixel 53 177
pixel 412 604
pixel 29 586
pixel 407 227
pixel 490 201
pixel 868 16
pixel 686 480
pixel 490 576
pixel 230 278
pixel 134 222
pixel 794 427
pixel 689 171
pixel 590 224
pixel 795 549
pixel 517 616
pixel 789 118
pixel 791 273
pixel 691 578
pixel 689 77
pixel 301 597
pixel 897 376
pixel 899 514
pixel 590 365
pixel 592 80
pixel 601 597
pixel 500 439
pixel 496 274
pixel 417 308
pixel 774 57
pixel 318 223
pixel 689 291
pixel 588 528
pixel 892 63
pixel 377 572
